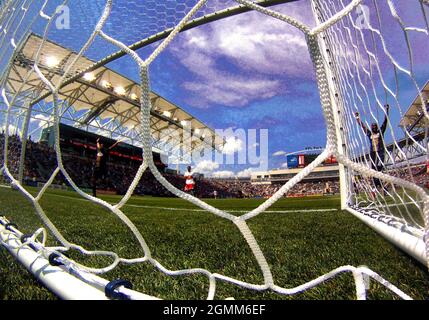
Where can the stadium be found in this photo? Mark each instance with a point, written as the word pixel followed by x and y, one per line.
pixel 130 129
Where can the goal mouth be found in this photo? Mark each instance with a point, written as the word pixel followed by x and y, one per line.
pixel 375 187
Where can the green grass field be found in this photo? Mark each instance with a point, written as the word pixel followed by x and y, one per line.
pixel 298 245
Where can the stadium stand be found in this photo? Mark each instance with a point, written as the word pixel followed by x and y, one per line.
pixel 41 161
pixel 418 173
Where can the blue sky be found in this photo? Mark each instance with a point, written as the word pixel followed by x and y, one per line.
pixel 250 71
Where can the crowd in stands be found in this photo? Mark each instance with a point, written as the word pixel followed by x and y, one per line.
pixel 41 162
pixel 246 189
pixel 417 173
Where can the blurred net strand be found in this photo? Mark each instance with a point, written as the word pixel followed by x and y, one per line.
pixel 317 58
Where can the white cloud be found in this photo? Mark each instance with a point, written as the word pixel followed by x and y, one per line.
pixel 216 86
pixel 231 90
pixel 41 120
pixel 262 44
pixel 232 145
pixel 13 130
pixel 279 153
pixel 230 174
pixel 284 165
pixel 223 174
pixel 42 117
pixel 247 172
pixel 94 123
pixel 259 49
pixel 206 166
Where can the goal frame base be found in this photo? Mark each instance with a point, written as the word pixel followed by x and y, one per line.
pixel 409 242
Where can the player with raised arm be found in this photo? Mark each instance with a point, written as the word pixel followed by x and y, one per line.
pixel 100 167
pixel 376 138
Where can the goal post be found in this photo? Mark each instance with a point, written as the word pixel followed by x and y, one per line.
pixel 345 47
pixel 336 108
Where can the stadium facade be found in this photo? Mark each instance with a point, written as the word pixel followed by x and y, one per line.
pixel 296 161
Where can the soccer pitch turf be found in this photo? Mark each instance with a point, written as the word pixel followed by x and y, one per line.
pixel 302 239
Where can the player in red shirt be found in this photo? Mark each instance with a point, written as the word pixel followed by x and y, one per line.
pixel 190 183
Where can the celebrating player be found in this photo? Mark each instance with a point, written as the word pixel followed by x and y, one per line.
pixel 376 138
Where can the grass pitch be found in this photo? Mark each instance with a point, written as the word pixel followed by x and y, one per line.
pixel 301 239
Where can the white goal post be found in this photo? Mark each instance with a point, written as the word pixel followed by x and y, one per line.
pixel 347 60
pixel 358 77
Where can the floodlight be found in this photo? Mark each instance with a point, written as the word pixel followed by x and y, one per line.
pixel 89 77
pixel 52 61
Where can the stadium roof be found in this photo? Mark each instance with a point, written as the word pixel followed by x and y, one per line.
pixel 414 117
pixel 102 99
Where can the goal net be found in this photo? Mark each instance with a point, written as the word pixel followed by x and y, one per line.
pixel 371 57
pixel 366 57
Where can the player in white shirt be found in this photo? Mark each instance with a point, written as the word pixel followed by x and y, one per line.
pixel 190 183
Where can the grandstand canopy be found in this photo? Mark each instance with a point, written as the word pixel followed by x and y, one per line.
pixel 414 118
pixel 102 99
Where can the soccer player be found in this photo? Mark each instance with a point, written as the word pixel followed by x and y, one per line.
pixel 100 167
pixel 376 138
pixel 190 183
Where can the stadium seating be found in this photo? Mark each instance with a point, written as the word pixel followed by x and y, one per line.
pixel 41 161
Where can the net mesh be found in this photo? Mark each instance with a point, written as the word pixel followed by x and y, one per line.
pixel 347 60
pixel 370 69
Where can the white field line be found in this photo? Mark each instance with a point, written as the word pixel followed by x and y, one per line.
pixel 391 205
pixel 290 199
pixel 400 204
pixel 238 211
pixel 201 210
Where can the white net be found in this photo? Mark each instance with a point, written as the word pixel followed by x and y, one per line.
pixel 348 79
pixel 371 69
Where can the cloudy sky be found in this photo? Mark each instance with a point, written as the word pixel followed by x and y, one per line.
pixel 249 71
pixel 252 71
